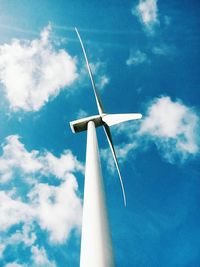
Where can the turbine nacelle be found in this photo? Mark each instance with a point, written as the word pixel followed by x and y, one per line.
pixel 81 124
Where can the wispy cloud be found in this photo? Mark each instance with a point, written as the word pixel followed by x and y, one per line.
pixel 122 152
pixel 33 71
pixel 14 264
pixel 147 12
pixel 136 58
pixel 100 76
pixel 94 30
pixel 39 257
pixel 18 29
pixel 81 114
pixel 99 69
pixel 167 20
pixel 163 50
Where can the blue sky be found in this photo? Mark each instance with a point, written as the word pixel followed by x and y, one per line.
pixel 145 58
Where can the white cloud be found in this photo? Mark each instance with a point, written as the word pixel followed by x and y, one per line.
pixel 26 235
pixel 13 211
pixel 173 127
pixel 33 71
pixel 62 166
pixel 16 157
pixel 40 259
pixel 136 57
pixel 147 11
pixel 57 209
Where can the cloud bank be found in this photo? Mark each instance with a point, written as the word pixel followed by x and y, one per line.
pixel 37 189
pixel 32 72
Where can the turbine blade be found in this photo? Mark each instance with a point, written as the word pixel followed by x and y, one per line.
pixel 109 138
pixel 112 119
pixel 98 100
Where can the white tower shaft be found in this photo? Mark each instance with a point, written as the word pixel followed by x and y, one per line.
pixel 96 246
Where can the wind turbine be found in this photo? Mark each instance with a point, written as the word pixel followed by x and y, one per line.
pixel 96 245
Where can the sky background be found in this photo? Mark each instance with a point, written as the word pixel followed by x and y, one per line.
pixel 145 58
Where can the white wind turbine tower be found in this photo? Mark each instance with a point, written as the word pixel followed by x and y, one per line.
pixel 96 246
